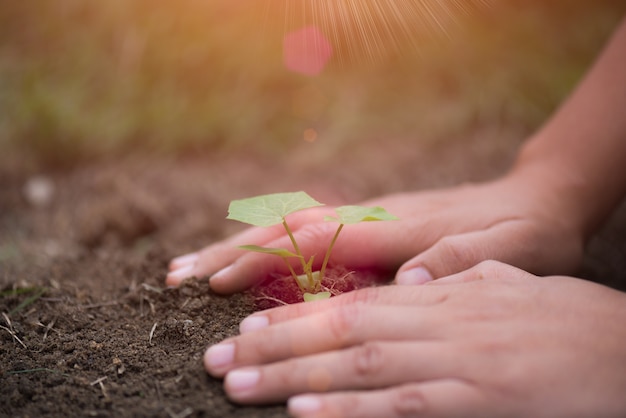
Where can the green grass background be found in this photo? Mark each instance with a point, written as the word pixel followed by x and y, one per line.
pixel 82 79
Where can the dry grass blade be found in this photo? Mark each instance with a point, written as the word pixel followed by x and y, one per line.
pixel 99 383
pixel 10 329
pixel 152 332
pixel 154 289
pixel 182 414
pixel 48 328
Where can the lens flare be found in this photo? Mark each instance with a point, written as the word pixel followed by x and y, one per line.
pixel 306 51
pixel 353 30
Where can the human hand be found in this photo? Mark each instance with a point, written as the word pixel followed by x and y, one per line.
pixel 517 220
pixel 491 341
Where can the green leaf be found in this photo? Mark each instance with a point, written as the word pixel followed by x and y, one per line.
pixel 357 214
pixel 270 209
pixel 282 252
pixel 310 297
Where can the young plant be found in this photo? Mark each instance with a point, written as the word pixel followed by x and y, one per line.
pixel 272 209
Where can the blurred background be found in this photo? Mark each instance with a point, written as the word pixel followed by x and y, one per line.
pixel 85 80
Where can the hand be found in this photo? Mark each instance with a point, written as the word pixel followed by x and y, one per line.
pixel 492 341
pixel 517 219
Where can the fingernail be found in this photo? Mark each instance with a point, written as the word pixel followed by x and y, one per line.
pixel 418 275
pixel 184 260
pixel 242 380
pixel 222 272
pixel 219 356
pixel 304 404
pixel 253 323
pixel 181 273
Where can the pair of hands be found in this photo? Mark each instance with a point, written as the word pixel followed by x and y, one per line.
pixel 485 341
pixel 489 340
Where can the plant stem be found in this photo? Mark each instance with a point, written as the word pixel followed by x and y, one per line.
pixel 330 248
pixel 293 273
pixel 305 270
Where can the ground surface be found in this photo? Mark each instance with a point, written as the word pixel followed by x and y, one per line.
pixel 88 328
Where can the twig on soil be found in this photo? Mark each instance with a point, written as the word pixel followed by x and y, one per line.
pixel 47 327
pixel 99 383
pixel 152 288
pixel 10 330
pixel 182 414
pixel 152 332
pixel 98 380
pixel 100 305
pixel 7 320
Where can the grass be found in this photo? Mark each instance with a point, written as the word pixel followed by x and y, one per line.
pixel 33 294
pixel 81 79
pixel 38 293
pixel 37 370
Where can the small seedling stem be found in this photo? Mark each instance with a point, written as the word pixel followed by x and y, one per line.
pixel 328 251
pixel 301 257
pixel 293 273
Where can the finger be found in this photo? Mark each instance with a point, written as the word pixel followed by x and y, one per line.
pixel 489 270
pixel 369 366
pixel 219 255
pixel 508 242
pixel 183 261
pixel 373 296
pixel 445 398
pixel 331 330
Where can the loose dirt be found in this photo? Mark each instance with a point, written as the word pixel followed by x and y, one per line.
pixel 88 327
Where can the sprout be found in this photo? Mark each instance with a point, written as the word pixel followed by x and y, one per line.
pixel 272 209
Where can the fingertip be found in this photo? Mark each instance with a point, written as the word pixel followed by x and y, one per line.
pixel 174 278
pixel 219 358
pixel 414 276
pixel 304 405
pixel 253 323
pixel 219 282
pixel 183 261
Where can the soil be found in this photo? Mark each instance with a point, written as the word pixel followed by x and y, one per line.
pixel 88 327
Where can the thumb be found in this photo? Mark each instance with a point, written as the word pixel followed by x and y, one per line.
pixel 509 242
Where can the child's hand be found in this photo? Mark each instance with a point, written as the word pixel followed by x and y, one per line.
pixel 516 219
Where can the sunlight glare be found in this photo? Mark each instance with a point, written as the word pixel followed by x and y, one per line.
pixel 306 51
pixel 357 29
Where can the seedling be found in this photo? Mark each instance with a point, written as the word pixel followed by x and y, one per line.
pixel 272 209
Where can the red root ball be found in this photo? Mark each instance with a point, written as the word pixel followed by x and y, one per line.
pixel 283 290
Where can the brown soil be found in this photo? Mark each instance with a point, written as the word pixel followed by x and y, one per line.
pixel 88 328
